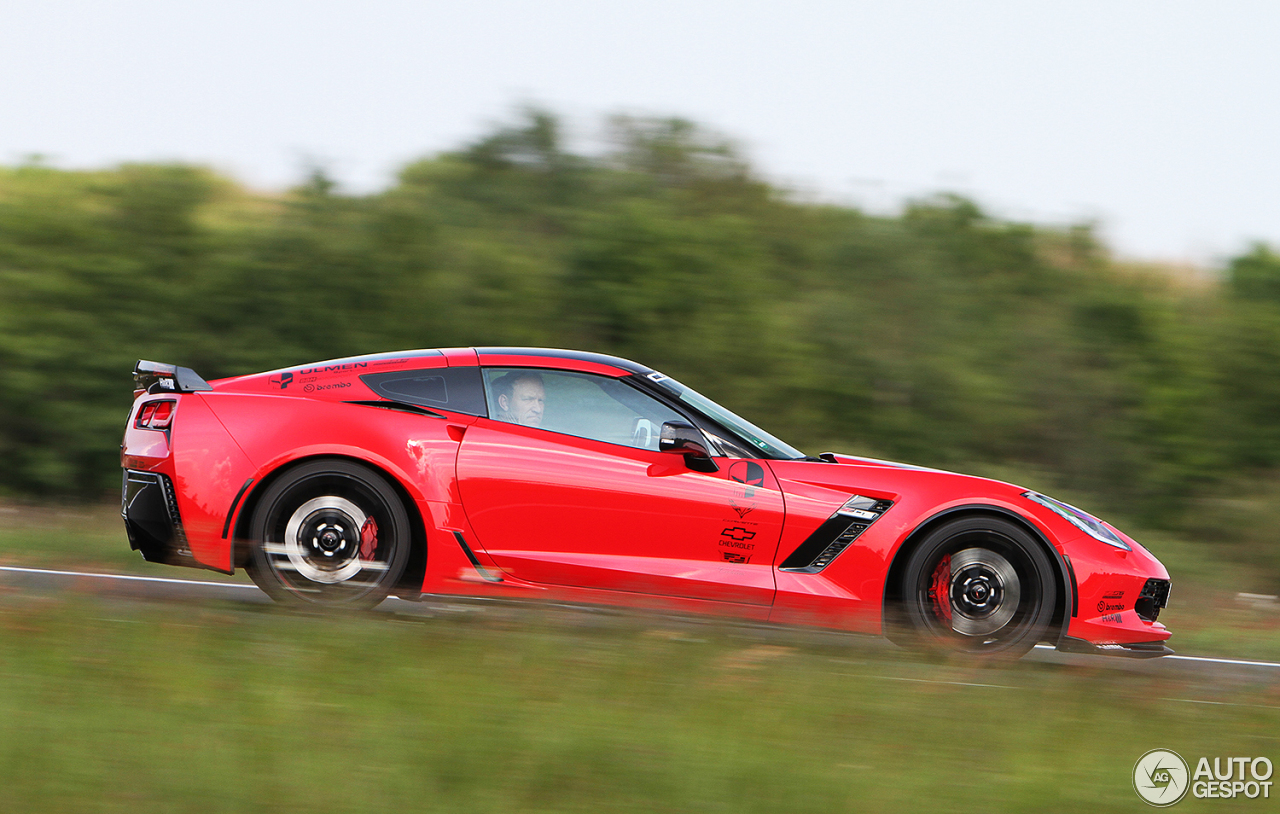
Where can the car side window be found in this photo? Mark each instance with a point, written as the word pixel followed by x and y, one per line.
pixel 601 408
pixel 446 388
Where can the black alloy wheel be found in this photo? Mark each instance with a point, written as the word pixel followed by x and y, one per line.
pixel 981 586
pixel 329 533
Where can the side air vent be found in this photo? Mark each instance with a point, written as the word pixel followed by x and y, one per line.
pixel 835 534
pixel 1154 596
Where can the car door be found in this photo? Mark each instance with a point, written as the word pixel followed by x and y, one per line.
pixel 581 496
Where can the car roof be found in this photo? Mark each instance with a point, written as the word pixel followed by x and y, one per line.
pixel 497 356
pixel 574 360
pixel 554 357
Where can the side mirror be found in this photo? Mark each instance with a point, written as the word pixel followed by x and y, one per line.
pixel 680 436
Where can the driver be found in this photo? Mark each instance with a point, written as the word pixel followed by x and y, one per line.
pixel 521 398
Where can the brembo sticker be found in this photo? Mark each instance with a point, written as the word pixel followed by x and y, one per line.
pixel 1111 602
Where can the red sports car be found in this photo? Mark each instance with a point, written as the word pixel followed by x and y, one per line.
pixel 525 472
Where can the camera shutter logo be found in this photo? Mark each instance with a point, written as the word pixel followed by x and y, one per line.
pixel 1161 777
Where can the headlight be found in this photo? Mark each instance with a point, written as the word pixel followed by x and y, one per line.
pixel 1084 521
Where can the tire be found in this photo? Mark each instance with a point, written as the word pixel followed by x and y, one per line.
pixel 980 586
pixel 329 533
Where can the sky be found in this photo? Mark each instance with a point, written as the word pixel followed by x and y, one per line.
pixel 1156 120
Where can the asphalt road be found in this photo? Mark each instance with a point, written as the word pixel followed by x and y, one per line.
pixel 42 580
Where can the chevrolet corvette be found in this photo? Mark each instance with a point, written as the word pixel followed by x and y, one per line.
pixel 579 477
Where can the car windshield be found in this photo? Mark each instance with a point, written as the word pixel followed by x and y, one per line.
pixel 768 445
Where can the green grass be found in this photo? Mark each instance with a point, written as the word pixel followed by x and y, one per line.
pixel 130 706
pixel 109 706
pixel 1205 612
pixel 74 537
pixel 64 537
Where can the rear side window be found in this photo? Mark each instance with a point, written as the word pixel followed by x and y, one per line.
pixel 457 389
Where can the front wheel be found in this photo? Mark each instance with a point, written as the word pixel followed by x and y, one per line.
pixel 329 533
pixel 979 585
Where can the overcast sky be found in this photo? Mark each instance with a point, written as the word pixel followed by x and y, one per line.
pixel 1158 120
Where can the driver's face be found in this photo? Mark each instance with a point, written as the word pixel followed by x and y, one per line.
pixel 526 403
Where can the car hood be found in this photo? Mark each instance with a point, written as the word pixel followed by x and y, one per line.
pixel 921 492
pixel 904 484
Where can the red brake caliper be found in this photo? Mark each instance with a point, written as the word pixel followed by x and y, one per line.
pixel 940 589
pixel 368 539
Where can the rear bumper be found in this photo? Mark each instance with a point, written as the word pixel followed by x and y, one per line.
pixel 150 511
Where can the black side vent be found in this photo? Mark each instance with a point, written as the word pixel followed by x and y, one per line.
pixel 835 534
pixel 179 533
pixel 484 573
pixel 1154 596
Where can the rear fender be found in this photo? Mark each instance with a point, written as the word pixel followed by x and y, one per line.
pixel 209 472
pixel 416 453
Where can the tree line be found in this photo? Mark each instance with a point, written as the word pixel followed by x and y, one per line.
pixel 941 336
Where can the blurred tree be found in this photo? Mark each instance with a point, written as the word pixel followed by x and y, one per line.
pixel 1256 275
pixel 943 336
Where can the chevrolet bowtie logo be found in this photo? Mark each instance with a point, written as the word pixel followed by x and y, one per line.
pixel 737 533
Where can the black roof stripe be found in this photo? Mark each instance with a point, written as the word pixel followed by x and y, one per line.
pixel 580 355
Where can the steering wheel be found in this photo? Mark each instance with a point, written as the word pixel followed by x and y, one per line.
pixel 642 433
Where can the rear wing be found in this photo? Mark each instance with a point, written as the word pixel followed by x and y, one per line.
pixel 156 377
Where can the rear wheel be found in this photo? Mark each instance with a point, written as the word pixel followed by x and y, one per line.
pixel 979 585
pixel 329 533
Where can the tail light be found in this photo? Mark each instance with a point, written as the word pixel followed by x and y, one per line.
pixel 156 415
pixel 163 415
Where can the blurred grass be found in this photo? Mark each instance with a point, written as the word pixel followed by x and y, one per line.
pixel 124 706
pixel 1206 613
pixel 67 537
pixel 79 536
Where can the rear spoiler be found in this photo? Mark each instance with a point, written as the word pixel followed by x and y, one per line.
pixel 155 377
